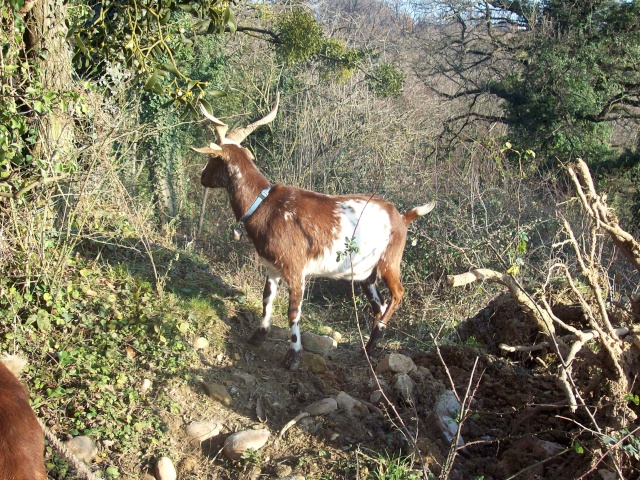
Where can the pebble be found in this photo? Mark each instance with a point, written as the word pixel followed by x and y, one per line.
pixel 238 443
pixel 396 363
pixel 165 469
pixel 279 333
pixel 404 385
pixel 218 392
pixel 447 408
pixel 146 385
pixel 247 378
pixel 351 405
pixel 82 447
pixel 203 430
pixel 322 407
pixel 314 363
pixel 315 343
pixel 200 343
pixel 376 397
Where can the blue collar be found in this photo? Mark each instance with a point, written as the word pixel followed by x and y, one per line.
pixel 256 204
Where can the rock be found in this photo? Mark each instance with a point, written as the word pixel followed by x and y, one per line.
pixel 376 397
pixel 247 378
pixel 337 336
pixel 235 356
pixel 396 363
pixel 314 363
pixel 351 405
pixel 218 392
pixel 165 469
pixel 315 343
pixel 607 475
pixel 200 343
pixel 238 443
pixel 283 470
pixel 448 408
pixel 202 430
pixel 279 333
pixel 322 407
pixel 551 448
pixel 404 385
pixel 83 448
pixel 146 385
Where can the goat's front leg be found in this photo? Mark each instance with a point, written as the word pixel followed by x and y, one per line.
pixel 294 354
pixel 268 294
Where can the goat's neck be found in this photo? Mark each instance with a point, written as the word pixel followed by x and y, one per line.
pixel 245 184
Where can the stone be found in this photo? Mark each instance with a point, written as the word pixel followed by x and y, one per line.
pixel 314 363
pixel 315 343
pixel 82 447
pixel 203 430
pixel 283 470
pixel 246 378
pixel 218 392
pixel 448 408
pixel 238 443
pixel 200 343
pixel 607 475
pixel 396 363
pixel 322 407
pixel 376 397
pixel 351 405
pixel 165 469
pixel 404 386
pixel 337 336
pixel 279 333
pixel 146 385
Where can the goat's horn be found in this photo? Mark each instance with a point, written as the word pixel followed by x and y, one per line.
pixel 220 127
pixel 239 134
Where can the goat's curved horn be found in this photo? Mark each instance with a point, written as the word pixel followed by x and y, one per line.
pixel 220 127
pixel 239 134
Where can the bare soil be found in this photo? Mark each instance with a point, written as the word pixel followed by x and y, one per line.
pixel 519 427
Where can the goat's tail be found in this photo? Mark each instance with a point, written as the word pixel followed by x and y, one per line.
pixel 414 213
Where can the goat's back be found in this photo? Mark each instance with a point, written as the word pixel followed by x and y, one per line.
pixel 21 437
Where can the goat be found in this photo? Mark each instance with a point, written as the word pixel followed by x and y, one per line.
pixel 21 437
pixel 299 233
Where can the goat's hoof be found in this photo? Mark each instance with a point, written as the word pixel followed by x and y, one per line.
pixel 259 336
pixel 292 359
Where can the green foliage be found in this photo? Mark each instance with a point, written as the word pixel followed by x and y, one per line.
pixel 94 338
pixel 144 36
pixel 300 37
pixel 575 82
pixel 386 81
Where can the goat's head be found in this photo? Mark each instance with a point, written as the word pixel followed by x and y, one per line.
pixel 228 147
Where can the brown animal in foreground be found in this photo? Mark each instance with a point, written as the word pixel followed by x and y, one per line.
pixel 21 437
pixel 299 233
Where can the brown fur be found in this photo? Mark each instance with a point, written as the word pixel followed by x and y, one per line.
pixel 21 437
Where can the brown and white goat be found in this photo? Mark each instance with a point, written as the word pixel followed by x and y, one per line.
pixel 299 233
pixel 21 437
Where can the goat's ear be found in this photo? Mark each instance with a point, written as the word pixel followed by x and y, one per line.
pixel 212 148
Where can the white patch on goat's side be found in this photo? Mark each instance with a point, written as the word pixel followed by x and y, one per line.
pixel 288 215
pixel 370 228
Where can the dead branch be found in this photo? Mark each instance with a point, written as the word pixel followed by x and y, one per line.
pixel 595 205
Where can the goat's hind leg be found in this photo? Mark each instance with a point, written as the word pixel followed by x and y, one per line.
pixel 392 280
pixel 268 294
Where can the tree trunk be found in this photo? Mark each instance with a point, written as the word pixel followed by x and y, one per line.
pixel 48 50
